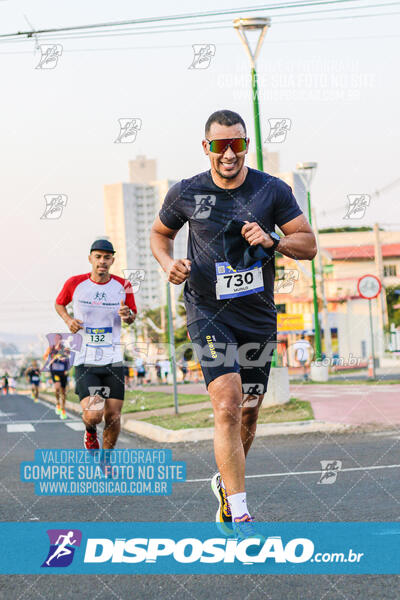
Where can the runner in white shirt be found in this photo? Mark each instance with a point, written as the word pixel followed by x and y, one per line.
pixel 100 302
pixel 303 349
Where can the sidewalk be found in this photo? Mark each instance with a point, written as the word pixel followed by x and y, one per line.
pixel 352 404
pixel 183 388
pixel 337 408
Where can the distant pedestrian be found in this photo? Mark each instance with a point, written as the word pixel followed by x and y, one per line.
pixel 5 383
pixel 165 370
pixel 302 352
pixel 183 365
pixel 12 385
pixel 140 371
pixel 158 371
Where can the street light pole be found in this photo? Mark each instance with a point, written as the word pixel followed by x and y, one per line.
pixel 325 313
pixel 257 126
pixel 306 172
pixel 243 26
pixel 171 345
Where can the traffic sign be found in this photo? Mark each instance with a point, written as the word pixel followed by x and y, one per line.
pixel 369 286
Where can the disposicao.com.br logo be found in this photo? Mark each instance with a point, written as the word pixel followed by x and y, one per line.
pixel 192 550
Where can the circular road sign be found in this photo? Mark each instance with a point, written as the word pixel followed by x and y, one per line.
pixel 369 286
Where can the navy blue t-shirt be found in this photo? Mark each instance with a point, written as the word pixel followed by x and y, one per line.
pixel 261 198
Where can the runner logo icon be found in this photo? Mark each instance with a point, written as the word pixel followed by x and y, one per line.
pixel 99 297
pixel 204 204
pixel 63 543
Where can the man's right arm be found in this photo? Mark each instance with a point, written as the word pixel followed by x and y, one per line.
pixel 74 325
pixel 162 246
pixel 64 298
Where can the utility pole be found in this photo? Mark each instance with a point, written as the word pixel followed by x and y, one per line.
pixel 324 312
pixel 307 171
pixel 163 321
pixel 171 345
pixel 162 315
pixel 382 303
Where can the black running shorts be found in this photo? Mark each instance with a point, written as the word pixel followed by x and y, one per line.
pixel 223 348
pixel 59 377
pixel 110 377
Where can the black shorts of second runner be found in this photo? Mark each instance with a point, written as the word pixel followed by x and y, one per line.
pixel 110 377
pixel 62 378
pixel 223 348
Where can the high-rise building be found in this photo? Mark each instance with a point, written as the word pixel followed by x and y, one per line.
pixel 142 170
pixel 270 161
pixel 295 181
pixel 130 209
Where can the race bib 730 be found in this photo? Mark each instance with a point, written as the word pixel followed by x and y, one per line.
pixel 233 283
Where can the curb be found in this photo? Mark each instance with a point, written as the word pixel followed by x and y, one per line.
pixel 172 436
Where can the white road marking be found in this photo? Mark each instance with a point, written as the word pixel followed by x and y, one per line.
pixel 75 425
pixel 37 421
pixel 19 427
pixel 3 414
pixel 385 433
pixel 373 467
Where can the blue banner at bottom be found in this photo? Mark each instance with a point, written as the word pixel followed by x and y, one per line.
pixel 195 548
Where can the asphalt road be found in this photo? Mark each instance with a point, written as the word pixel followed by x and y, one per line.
pixel 363 494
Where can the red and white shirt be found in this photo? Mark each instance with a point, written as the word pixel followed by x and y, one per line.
pixel 97 305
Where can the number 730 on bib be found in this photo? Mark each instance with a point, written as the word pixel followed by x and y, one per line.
pixel 233 283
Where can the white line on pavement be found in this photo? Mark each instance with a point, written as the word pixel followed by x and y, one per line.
pixel 75 425
pixel 39 421
pixel 303 473
pixel 385 433
pixel 20 427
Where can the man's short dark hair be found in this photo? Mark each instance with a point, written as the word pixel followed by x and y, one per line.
pixel 224 117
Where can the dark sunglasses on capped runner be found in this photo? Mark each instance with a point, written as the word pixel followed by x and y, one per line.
pixel 236 145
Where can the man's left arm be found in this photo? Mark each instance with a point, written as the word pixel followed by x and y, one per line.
pixel 126 314
pixel 127 310
pixel 298 242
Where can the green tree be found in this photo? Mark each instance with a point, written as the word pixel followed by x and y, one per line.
pixel 393 298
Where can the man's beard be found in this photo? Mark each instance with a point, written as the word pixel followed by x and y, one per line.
pixel 230 175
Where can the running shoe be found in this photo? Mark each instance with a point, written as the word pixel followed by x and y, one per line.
pixel 36 399
pixel 244 529
pixel 224 515
pixel 63 414
pixel 58 409
pixel 90 441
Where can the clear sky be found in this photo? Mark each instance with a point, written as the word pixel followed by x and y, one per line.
pixel 335 79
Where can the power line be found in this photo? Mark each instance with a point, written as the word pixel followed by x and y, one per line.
pixel 269 7
pixel 185 30
pixel 167 46
pixel 340 17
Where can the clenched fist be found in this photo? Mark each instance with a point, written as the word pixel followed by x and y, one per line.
pixel 253 234
pixel 179 270
pixel 124 312
pixel 74 325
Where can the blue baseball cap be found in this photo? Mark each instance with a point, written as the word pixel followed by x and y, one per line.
pixel 104 245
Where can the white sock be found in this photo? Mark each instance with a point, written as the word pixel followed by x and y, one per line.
pixel 238 505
